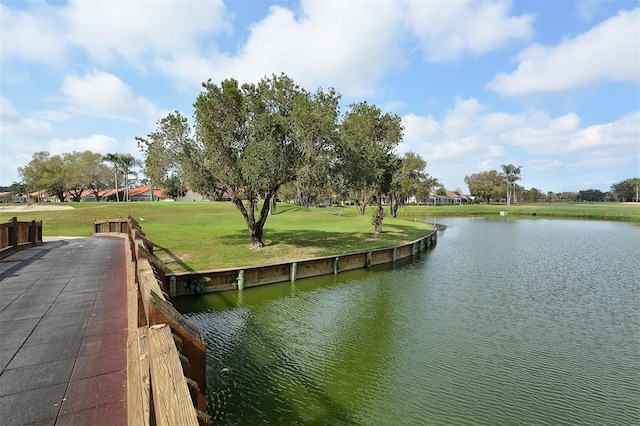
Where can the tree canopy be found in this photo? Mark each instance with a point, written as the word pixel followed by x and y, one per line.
pixel 488 184
pixel 366 155
pixel 69 173
pixel 409 179
pixel 254 138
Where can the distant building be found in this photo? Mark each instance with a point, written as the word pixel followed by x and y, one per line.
pixel 447 199
pixel 144 193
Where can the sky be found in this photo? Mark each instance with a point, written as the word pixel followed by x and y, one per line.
pixel 551 86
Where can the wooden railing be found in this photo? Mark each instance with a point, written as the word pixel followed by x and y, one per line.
pixel 15 234
pixel 166 374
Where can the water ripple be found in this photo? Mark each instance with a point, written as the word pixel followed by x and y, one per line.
pixel 532 329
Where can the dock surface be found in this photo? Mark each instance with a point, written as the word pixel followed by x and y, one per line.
pixel 63 334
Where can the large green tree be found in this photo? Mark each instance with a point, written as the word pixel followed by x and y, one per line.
pixel 83 170
pixel 487 184
pixel 591 195
pixel 254 138
pixel 409 179
pixel 627 190
pixel 167 153
pixel 533 195
pixel 366 155
pixel 45 173
pixel 636 185
pixel 99 175
pixel 317 125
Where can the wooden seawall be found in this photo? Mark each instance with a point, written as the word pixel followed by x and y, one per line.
pixel 179 284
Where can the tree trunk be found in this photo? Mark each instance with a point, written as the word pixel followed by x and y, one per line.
pixel 115 178
pixel 378 216
pixel 254 226
pixel 255 233
pixel 394 203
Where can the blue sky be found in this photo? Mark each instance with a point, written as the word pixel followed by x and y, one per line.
pixel 551 86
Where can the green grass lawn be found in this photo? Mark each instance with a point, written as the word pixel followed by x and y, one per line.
pixel 201 235
pixel 607 211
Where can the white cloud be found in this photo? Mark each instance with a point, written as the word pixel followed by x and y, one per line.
pixel 139 30
pixel 352 45
pixel 462 119
pixel 21 137
pixel 347 45
pixel 565 135
pixel 544 166
pixel 587 9
pixel 448 30
pixel 34 37
pixel 472 138
pixel 420 129
pixel 96 143
pixel 104 95
pixel 608 51
pixel 16 130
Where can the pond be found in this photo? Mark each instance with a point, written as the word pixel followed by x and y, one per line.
pixel 506 321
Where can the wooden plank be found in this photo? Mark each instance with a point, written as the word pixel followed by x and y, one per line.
pixel 138 402
pixel 137 408
pixel 193 344
pixel 145 374
pixel 171 400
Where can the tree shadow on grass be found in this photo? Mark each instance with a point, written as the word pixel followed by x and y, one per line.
pixel 344 242
pixel 169 258
pixel 317 242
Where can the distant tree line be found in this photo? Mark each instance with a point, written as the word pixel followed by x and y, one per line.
pixel 69 175
pixel 493 185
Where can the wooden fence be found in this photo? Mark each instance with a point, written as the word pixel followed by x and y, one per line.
pixel 166 373
pixel 15 235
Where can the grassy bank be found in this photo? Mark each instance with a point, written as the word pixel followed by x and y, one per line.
pixel 602 211
pixel 198 236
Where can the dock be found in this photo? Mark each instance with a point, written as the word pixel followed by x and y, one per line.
pixel 63 333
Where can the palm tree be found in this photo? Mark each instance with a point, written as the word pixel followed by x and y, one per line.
pixel 114 159
pixel 128 162
pixel 512 174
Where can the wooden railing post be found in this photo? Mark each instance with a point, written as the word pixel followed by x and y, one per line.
pixel 172 286
pixel 32 233
pixel 13 233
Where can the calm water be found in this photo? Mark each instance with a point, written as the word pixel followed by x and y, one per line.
pixel 506 321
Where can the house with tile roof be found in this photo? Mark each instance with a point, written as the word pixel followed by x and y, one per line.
pixel 144 193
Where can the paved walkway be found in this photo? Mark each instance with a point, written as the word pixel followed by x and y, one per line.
pixel 63 334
